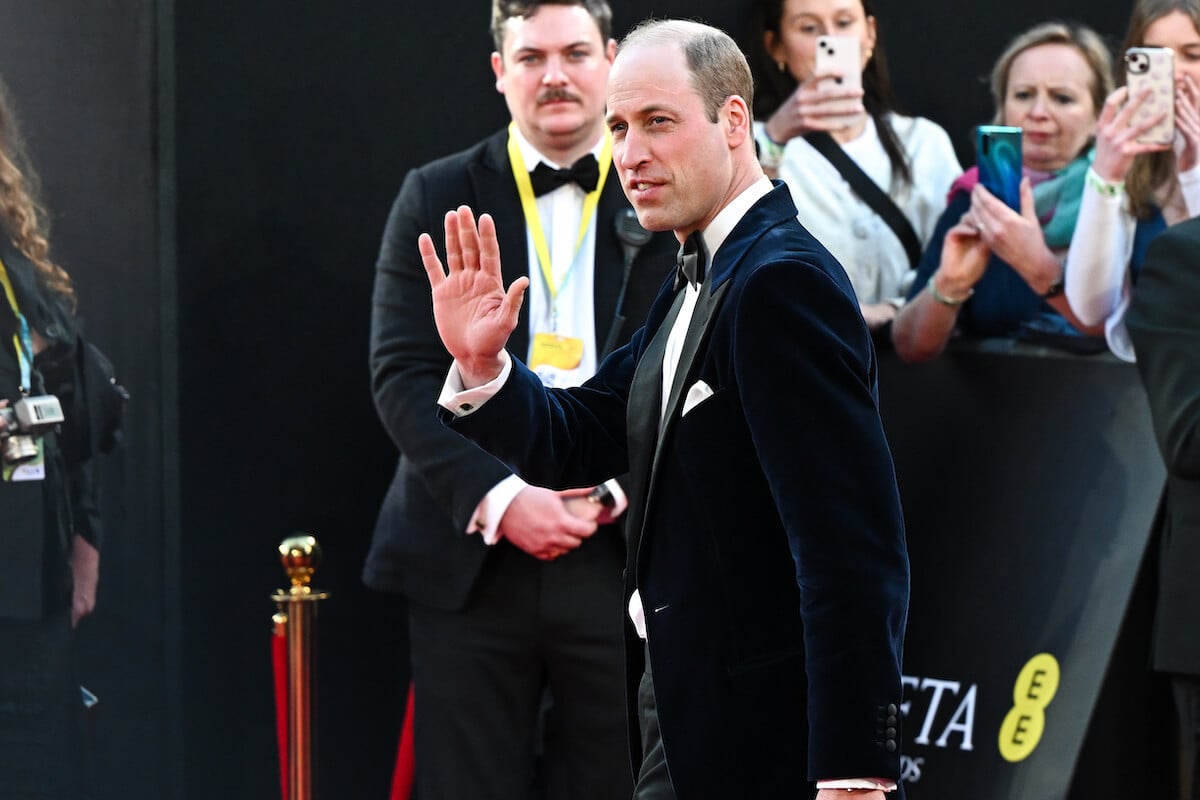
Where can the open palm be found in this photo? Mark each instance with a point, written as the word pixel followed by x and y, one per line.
pixel 473 312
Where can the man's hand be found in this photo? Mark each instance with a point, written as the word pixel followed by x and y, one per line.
pixel 473 312
pixel 851 794
pixel 85 573
pixel 539 522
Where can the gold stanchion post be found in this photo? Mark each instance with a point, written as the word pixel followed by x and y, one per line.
pixel 298 609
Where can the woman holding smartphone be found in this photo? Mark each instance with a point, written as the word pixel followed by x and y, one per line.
pixel 910 159
pixel 1136 188
pixel 991 270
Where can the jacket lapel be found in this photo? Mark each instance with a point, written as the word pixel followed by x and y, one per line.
pixel 643 413
pixel 697 332
pixel 772 209
pixel 610 259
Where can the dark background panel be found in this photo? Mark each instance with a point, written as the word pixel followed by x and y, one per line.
pixel 83 78
pixel 1030 482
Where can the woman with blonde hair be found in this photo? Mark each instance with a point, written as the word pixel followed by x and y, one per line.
pixel 991 270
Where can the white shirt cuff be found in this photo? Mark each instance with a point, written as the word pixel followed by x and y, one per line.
pixel 620 501
pixel 460 401
pixel 486 519
pixel 858 783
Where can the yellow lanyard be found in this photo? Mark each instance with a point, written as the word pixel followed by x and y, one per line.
pixel 21 336
pixel 529 204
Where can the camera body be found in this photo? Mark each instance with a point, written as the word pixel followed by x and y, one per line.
pixel 25 420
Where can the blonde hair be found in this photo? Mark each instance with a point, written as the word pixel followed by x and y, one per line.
pixel 21 214
pixel 1084 39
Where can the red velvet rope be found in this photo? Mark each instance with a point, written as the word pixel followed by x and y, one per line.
pixel 280 669
pixel 402 775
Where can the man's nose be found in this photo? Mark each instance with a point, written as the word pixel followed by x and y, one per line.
pixel 556 73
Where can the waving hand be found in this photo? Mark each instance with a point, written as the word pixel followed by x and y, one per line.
pixel 473 312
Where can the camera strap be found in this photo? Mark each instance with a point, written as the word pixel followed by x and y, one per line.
pixel 22 338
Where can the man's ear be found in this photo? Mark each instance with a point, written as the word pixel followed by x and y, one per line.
pixel 498 69
pixel 735 116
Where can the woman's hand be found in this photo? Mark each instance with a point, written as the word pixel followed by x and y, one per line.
pixel 1187 124
pixel 818 104
pixel 964 259
pixel 876 315
pixel 1016 238
pixel 1116 138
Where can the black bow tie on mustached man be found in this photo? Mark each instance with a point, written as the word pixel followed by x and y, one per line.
pixel 585 172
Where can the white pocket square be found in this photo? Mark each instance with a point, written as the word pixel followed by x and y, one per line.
pixel 696 395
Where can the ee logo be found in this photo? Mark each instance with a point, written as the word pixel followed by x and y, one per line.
pixel 1026 720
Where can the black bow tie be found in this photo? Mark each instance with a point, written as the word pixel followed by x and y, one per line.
pixel 585 172
pixel 693 260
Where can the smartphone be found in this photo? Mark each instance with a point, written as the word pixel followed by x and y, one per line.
pixel 843 55
pixel 1153 68
pixel 998 156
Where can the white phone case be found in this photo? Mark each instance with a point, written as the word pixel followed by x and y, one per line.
pixel 841 54
pixel 1153 68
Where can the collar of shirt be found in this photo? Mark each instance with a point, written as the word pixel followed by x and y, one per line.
pixel 728 217
pixel 532 155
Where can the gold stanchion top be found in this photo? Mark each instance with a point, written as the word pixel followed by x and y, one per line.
pixel 300 556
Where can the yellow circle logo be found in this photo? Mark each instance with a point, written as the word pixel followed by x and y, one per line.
pixel 1025 722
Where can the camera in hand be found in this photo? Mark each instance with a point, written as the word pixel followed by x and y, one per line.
pixel 27 419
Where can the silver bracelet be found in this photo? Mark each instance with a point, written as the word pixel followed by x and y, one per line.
pixel 947 301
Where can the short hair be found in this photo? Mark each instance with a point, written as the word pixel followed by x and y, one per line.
pixel 504 10
pixel 1082 38
pixel 717 65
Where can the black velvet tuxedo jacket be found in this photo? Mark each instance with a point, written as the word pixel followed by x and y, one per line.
pixel 420 547
pixel 1164 325
pixel 765 529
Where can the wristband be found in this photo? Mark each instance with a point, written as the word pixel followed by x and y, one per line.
pixel 953 302
pixel 770 152
pixel 1056 288
pixel 1106 188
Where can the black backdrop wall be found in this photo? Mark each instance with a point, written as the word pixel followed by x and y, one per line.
pixel 219 174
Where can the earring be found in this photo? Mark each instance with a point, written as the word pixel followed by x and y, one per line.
pixel 782 66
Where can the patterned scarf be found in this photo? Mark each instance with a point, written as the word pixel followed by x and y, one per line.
pixel 1056 196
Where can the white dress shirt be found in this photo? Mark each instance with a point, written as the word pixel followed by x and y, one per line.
pixel 560 212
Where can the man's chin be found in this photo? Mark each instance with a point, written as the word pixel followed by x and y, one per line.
pixel 652 219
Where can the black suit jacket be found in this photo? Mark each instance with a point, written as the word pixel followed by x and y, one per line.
pixel 39 517
pixel 420 547
pixel 766 533
pixel 1164 325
